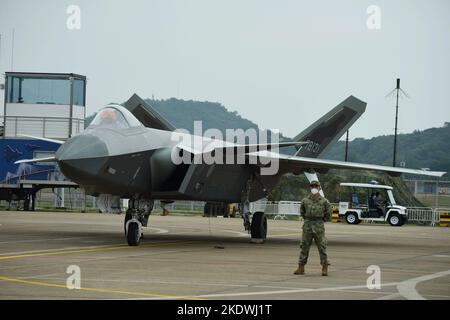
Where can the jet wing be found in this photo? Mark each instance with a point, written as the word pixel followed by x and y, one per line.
pixel 238 148
pixel 41 138
pixel 255 146
pixel 47 159
pixel 296 164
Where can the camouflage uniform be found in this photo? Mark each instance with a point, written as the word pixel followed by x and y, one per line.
pixel 315 209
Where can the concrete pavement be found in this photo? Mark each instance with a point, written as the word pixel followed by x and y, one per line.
pixel 213 258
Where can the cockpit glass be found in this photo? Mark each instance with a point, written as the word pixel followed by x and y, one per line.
pixel 109 118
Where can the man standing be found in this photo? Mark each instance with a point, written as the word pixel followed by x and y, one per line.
pixel 315 209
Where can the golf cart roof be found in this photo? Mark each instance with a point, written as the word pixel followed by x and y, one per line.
pixel 365 185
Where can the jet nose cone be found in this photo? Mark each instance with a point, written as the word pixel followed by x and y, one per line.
pixel 81 157
pixel 82 147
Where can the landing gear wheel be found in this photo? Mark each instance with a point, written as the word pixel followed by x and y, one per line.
pixel 133 234
pixel 395 220
pixel 127 217
pixel 259 226
pixel 352 218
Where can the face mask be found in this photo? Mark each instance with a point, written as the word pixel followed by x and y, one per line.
pixel 314 190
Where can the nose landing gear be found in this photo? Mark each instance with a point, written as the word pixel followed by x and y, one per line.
pixel 136 218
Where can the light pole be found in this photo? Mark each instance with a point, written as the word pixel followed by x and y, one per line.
pixel 346 147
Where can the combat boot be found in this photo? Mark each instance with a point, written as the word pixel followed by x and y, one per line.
pixel 300 269
pixel 325 269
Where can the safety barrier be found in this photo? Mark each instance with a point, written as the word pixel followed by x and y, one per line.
pixel 418 215
pixel 283 209
pixel 422 215
pixel 279 210
pixel 444 217
pixel 181 206
pixel 76 199
pixel 335 215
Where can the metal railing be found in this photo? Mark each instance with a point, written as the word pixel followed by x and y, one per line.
pixel 423 215
pixel 14 179
pixel 181 206
pixel 283 209
pixel 279 209
pixel 75 199
pixel 46 127
pixel 67 198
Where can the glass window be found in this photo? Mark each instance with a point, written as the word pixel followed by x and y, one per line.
pixel 78 92
pixel 13 86
pixel 40 91
pixel 131 119
pixel 109 118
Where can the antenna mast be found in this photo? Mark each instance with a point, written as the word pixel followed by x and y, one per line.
pixel 346 147
pixel 398 91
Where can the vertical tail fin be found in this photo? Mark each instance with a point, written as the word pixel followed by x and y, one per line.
pixel 147 115
pixel 323 133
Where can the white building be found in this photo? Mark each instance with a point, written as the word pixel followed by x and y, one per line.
pixel 50 105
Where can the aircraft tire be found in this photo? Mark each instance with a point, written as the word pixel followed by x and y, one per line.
pixel 127 217
pixel 133 235
pixel 259 226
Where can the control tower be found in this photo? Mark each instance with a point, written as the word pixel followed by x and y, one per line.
pixel 49 105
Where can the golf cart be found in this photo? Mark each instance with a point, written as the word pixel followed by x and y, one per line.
pixel 370 202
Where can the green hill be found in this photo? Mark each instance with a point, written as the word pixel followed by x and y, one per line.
pixel 429 148
pixel 182 114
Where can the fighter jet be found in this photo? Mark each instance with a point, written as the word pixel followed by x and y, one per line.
pixel 132 152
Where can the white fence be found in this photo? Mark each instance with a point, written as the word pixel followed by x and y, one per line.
pixel 182 206
pixel 423 215
pixel 282 209
pixel 47 127
pixel 68 198
pixel 279 209
pixel 77 200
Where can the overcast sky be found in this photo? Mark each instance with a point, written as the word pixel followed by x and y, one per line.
pixel 282 64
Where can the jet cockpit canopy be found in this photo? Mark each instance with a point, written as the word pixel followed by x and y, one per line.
pixel 114 117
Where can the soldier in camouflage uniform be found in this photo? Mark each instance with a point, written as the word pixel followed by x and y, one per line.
pixel 315 209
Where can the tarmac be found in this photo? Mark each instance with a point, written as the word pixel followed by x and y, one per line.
pixel 193 257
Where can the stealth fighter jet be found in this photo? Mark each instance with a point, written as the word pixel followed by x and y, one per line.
pixel 132 152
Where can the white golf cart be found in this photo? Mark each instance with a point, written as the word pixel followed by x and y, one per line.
pixel 370 202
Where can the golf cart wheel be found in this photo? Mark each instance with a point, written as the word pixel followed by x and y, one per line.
pixel 259 226
pixel 395 220
pixel 133 234
pixel 352 218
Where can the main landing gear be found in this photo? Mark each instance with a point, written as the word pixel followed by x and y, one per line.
pixel 258 228
pixel 258 225
pixel 136 218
